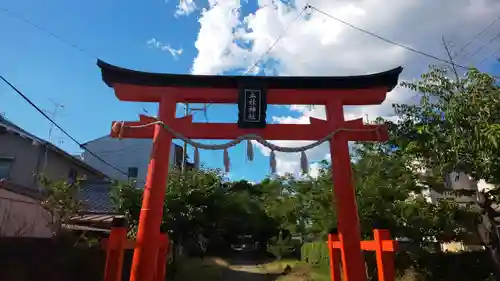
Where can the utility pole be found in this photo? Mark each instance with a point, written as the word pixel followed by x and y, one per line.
pixel 184 150
pixel 188 111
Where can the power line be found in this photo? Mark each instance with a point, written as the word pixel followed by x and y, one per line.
pixel 485 45
pixel 491 55
pixel 46 31
pixel 59 127
pixel 478 35
pixel 61 39
pixel 273 44
pixel 391 41
pixel 276 40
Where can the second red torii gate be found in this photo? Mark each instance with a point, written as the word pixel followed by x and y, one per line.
pixel 169 89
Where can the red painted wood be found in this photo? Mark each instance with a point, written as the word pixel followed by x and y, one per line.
pixel 128 245
pixel 316 130
pixel 372 245
pixel 385 260
pixel 127 92
pixel 161 265
pixel 334 257
pixel 348 221
pixel 148 234
pixel 114 254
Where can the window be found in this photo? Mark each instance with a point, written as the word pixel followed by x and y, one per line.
pixel 132 172
pixel 5 166
pixel 72 175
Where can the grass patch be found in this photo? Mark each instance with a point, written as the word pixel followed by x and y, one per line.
pixel 279 266
pixel 300 271
pixel 306 272
pixel 213 269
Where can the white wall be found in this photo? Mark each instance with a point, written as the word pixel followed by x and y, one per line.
pixel 122 154
pixel 459 181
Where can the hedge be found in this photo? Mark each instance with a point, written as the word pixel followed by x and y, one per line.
pixel 470 266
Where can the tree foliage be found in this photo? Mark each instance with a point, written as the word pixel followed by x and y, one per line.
pixel 455 125
pixel 280 246
pixel 201 208
pixel 455 128
pixel 61 200
pixel 200 205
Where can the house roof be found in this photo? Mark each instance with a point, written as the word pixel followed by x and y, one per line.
pixel 97 208
pixel 96 213
pixel 112 74
pixel 10 126
pixel 96 197
pixel 21 190
pixel 85 228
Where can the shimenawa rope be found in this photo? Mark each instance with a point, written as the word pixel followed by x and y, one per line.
pixel 119 127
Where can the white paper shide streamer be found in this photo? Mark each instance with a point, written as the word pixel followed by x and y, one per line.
pixel 272 162
pixel 249 150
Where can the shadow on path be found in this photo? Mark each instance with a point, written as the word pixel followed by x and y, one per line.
pixel 248 267
pixel 236 275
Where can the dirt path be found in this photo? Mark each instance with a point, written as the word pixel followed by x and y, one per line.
pixel 245 268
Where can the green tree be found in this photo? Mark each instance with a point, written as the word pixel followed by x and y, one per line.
pixel 192 201
pixel 454 128
pixel 61 200
pixel 317 203
pixel 390 196
pixel 202 210
pixel 280 201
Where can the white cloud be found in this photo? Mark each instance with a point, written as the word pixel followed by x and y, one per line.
pixel 185 7
pixel 165 47
pixel 220 26
pixel 318 45
pixel 314 170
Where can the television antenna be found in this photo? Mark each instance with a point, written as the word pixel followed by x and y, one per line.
pixel 52 113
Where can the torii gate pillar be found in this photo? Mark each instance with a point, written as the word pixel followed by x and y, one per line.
pixel 347 210
pixel 169 89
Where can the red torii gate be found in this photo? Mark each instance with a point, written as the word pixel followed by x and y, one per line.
pixel 169 89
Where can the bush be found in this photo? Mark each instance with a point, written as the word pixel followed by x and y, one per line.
pixel 280 246
pixel 315 253
pixel 470 266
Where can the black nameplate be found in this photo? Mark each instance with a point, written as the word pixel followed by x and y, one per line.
pixel 252 106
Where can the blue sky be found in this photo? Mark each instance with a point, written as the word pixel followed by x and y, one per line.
pixel 47 70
